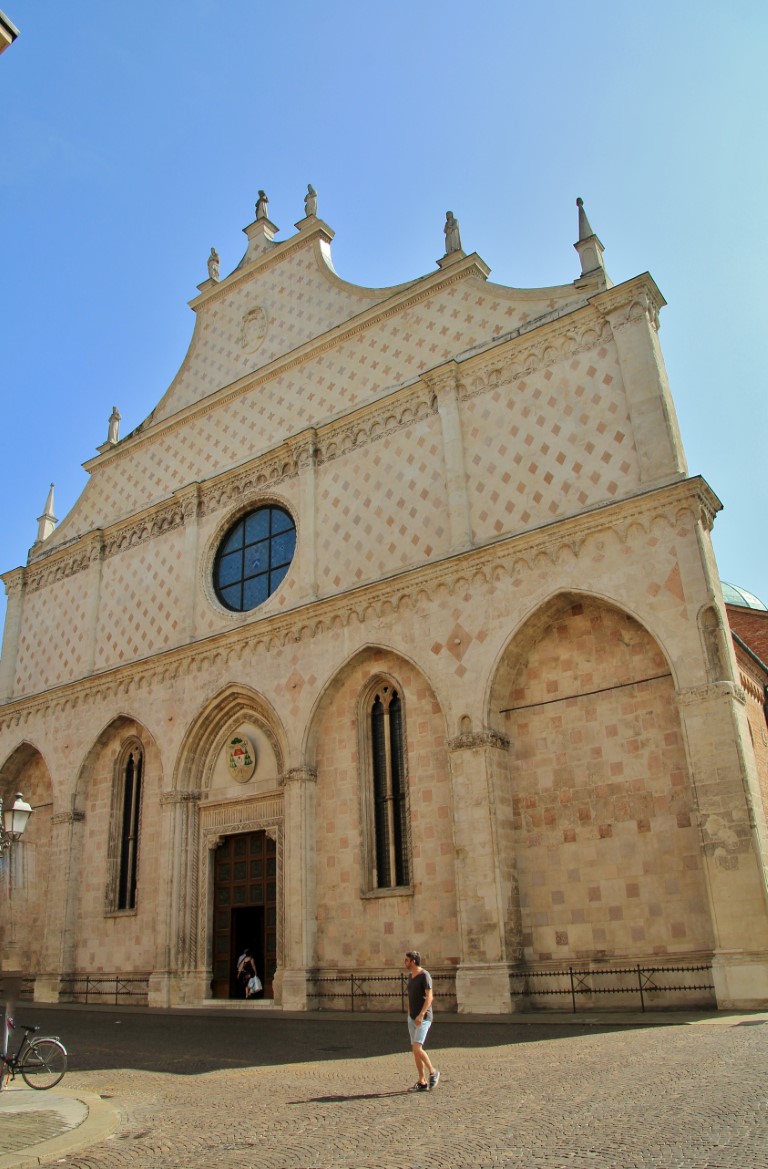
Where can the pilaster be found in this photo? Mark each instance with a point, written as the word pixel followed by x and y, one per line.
pixel 306 458
pixel 92 598
pixel 632 310
pixel 445 384
pixel 189 498
pixel 15 583
pixel 62 904
pixel 180 936
pixel 486 877
pixel 725 790
pixel 299 882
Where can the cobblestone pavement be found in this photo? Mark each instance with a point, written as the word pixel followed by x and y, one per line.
pixel 283 1093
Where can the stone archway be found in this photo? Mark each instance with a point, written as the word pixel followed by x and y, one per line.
pixel 26 870
pixel 205 808
pixel 607 847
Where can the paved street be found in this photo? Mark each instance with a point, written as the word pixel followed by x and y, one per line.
pixel 272 1092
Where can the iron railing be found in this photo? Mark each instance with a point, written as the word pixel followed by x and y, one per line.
pixel 580 983
pixel 24 993
pixel 651 985
pixel 359 990
pixel 117 988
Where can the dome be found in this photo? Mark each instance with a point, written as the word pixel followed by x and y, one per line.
pixel 733 595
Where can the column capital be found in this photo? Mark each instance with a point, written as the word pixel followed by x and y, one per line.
pixel 473 740
pixel 711 692
pixel 298 775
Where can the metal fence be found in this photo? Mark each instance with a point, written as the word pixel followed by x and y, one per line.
pixel 364 992
pixel 114 988
pixel 25 992
pixel 651 985
pixel 580 988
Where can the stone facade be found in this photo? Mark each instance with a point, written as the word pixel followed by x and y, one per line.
pixel 495 531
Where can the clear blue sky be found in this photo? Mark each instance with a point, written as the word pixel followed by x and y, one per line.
pixel 135 137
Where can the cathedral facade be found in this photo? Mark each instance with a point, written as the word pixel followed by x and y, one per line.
pixel 395 625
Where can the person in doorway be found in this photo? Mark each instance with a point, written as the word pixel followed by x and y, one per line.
pixel 420 1020
pixel 246 970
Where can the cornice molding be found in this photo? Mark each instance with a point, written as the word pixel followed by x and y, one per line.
pixel 502 560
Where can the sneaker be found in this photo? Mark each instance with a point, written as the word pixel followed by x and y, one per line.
pixel 419 1087
pixel 433 1079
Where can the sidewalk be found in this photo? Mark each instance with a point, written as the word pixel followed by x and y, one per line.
pixel 36 1126
pixel 39 1126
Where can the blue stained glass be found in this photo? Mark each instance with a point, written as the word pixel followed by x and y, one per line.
pixel 281 521
pixel 230 568
pixel 233 541
pixel 257 525
pixel 255 592
pixel 231 596
pixel 276 576
pixel 254 557
pixel 283 548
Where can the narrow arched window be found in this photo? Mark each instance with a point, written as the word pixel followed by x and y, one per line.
pixel 129 834
pixel 391 860
pixel 125 830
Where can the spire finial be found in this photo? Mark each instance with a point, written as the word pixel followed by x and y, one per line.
pixel 47 521
pixel 590 251
pixel 585 230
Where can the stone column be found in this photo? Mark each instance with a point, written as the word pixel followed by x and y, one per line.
pixel 299 881
pixel 445 385
pixel 486 872
pixel 62 904
pixel 14 588
pixel 632 311
pixel 726 789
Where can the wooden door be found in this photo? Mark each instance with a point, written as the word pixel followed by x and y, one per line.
pixel 245 911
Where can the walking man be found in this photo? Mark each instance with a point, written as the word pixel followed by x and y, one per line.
pixel 420 1020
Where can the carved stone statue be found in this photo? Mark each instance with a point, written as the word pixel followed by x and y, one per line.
pixel 261 206
pixel 452 237
pixel 114 425
pixel 213 265
pixel 310 200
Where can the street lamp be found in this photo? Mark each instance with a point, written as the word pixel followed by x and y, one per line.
pixel 13 821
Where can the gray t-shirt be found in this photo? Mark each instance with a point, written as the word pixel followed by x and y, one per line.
pixel 418 985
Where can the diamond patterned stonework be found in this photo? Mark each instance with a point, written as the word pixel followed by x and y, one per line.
pixel 490 692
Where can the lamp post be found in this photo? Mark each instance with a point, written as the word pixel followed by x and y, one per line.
pixel 13 821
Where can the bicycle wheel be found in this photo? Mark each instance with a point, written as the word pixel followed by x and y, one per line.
pixel 44 1063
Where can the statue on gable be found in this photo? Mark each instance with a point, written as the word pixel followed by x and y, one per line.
pixel 113 435
pixel 452 237
pixel 310 201
pixel 261 206
pixel 213 265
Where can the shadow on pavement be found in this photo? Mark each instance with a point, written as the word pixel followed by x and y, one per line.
pixel 182 1044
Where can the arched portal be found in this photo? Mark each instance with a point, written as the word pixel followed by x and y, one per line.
pixel 608 853
pixel 25 870
pixel 226 820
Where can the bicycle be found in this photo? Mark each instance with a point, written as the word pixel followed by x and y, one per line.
pixel 41 1061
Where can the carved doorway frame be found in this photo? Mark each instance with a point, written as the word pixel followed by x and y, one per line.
pixel 222 818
